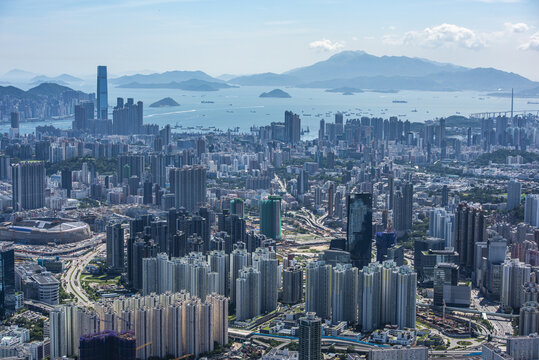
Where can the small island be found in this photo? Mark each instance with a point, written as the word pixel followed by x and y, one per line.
pixel 275 93
pixel 345 90
pixel 166 102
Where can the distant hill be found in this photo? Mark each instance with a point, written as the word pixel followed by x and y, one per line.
pixel 166 102
pixel 270 79
pixel 17 76
pixel 350 64
pixel 189 85
pixel 275 93
pixel 60 79
pixel 12 91
pixel 56 99
pixel 51 90
pixel 164 78
pixel 345 89
pixel 357 69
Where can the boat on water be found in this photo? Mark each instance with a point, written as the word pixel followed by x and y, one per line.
pixel 415 110
pixel 533 102
pixel 400 102
pixel 207 102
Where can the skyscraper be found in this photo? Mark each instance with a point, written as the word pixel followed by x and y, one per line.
pixel 292 285
pixel 310 337
pixel 359 229
pixel 7 279
pixel 529 318
pixel 108 345
pixel 470 227
pixel 83 112
pixel 270 217
pixel 292 124
pixel 15 123
pixel 515 274
pixel 67 182
pixel 531 210
pixel 236 207
pixel 318 286
pixel 28 185
pixel 248 294
pixel 344 292
pixel 403 209
pixel 128 118
pixel 102 93
pixel 513 194
pixel 406 297
pixel 115 247
pixel 190 187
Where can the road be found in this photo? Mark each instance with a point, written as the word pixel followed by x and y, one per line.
pixel 71 277
pixel 502 327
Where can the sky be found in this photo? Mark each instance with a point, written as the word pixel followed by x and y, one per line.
pixel 253 36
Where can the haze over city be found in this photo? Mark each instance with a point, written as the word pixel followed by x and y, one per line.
pixel 253 37
pixel 301 180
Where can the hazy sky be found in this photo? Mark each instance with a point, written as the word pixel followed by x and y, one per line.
pixel 240 37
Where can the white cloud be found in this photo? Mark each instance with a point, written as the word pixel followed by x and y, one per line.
pixel 438 36
pixel 326 45
pixel 532 44
pixel 391 28
pixel 516 28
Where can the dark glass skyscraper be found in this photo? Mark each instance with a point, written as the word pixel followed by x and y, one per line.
pixel 108 345
pixel 102 93
pixel 359 229
pixel 270 217
pixel 7 279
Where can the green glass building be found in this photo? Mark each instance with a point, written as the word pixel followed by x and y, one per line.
pixel 270 217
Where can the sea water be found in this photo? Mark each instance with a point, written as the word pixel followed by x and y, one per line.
pixel 241 108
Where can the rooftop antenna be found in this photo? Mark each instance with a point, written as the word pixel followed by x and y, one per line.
pixel 511 104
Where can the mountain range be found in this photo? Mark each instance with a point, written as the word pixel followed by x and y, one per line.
pixel 360 70
pixel 347 69
pixel 187 85
pixel 44 90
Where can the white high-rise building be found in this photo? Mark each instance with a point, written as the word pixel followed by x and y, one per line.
pixel 344 301
pixel 239 258
pixel 406 297
pixel 174 324
pixel 248 294
pixel 514 275
pixel 264 260
pixel 318 285
pixel 218 265
pixel 441 225
pixel 220 312
pixel 531 210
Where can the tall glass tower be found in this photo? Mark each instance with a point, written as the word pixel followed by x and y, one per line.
pixel 270 217
pixel 359 229
pixel 102 93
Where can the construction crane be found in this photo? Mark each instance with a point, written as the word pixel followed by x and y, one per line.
pixel 143 346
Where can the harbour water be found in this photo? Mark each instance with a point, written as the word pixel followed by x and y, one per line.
pixel 242 107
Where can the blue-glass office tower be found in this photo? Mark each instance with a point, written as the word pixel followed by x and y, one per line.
pixel 359 229
pixel 102 93
pixel 384 241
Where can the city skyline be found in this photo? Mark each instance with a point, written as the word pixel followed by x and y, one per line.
pixel 188 35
